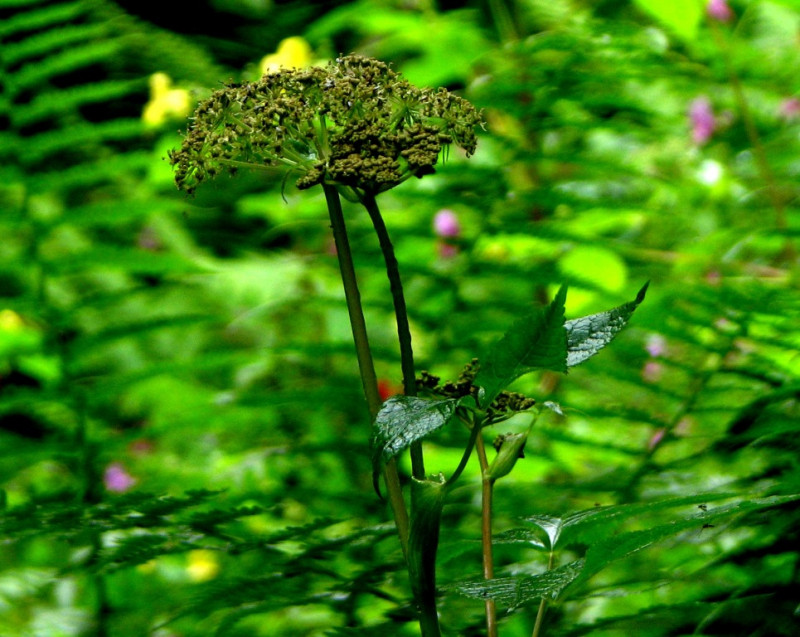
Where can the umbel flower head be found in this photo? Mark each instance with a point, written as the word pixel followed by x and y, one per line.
pixel 356 124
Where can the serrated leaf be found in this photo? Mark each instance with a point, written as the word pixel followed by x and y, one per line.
pixel 616 547
pixel 406 419
pixel 591 525
pixel 589 334
pixel 537 341
pixel 513 592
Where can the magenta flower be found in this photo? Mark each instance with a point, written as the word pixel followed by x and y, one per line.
pixel 117 479
pixel 789 109
pixel 719 10
pixel 702 118
pixel 445 224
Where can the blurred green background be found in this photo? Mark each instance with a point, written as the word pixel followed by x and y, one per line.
pixel 184 448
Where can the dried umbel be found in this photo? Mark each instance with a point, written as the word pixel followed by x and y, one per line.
pixel 355 124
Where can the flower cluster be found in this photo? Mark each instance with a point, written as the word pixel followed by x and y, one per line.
pixel 506 404
pixel 704 123
pixel 355 124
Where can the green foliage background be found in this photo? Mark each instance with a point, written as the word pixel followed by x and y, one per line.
pixel 203 347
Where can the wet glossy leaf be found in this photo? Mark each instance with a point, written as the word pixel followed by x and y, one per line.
pixel 589 334
pixel 406 419
pixel 513 592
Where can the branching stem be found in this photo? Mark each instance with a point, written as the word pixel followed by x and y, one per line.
pixel 366 366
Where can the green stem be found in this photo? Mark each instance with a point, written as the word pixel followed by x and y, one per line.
pixel 473 434
pixel 537 627
pixel 366 366
pixel 486 534
pixel 401 316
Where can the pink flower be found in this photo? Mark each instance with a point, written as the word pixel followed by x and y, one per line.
pixel 445 224
pixel 719 10
pixel 116 479
pixel 702 118
pixel 789 109
pixel 656 345
pixel 652 371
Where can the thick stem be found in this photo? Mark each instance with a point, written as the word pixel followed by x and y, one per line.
pixel 486 534
pixel 428 618
pixel 401 316
pixel 369 379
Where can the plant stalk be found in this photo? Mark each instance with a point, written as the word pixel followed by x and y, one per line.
pixel 537 627
pixel 366 366
pixel 428 618
pixel 401 316
pixel 486 534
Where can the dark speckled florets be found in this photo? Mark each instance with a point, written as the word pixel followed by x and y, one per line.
pixel 505 405
pixel 355 124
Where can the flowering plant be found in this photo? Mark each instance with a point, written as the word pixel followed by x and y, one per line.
pixel 357 128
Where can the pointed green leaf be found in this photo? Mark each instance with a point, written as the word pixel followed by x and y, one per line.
pixel 616 547
pixel 593 525
pixel 538 341
pixel 513 592
pixel 406 419
pixel 589 334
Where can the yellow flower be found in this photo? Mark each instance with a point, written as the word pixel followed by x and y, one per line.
pixel 203 565
pixel 292 53
pixel 165 102
pixel 10 321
